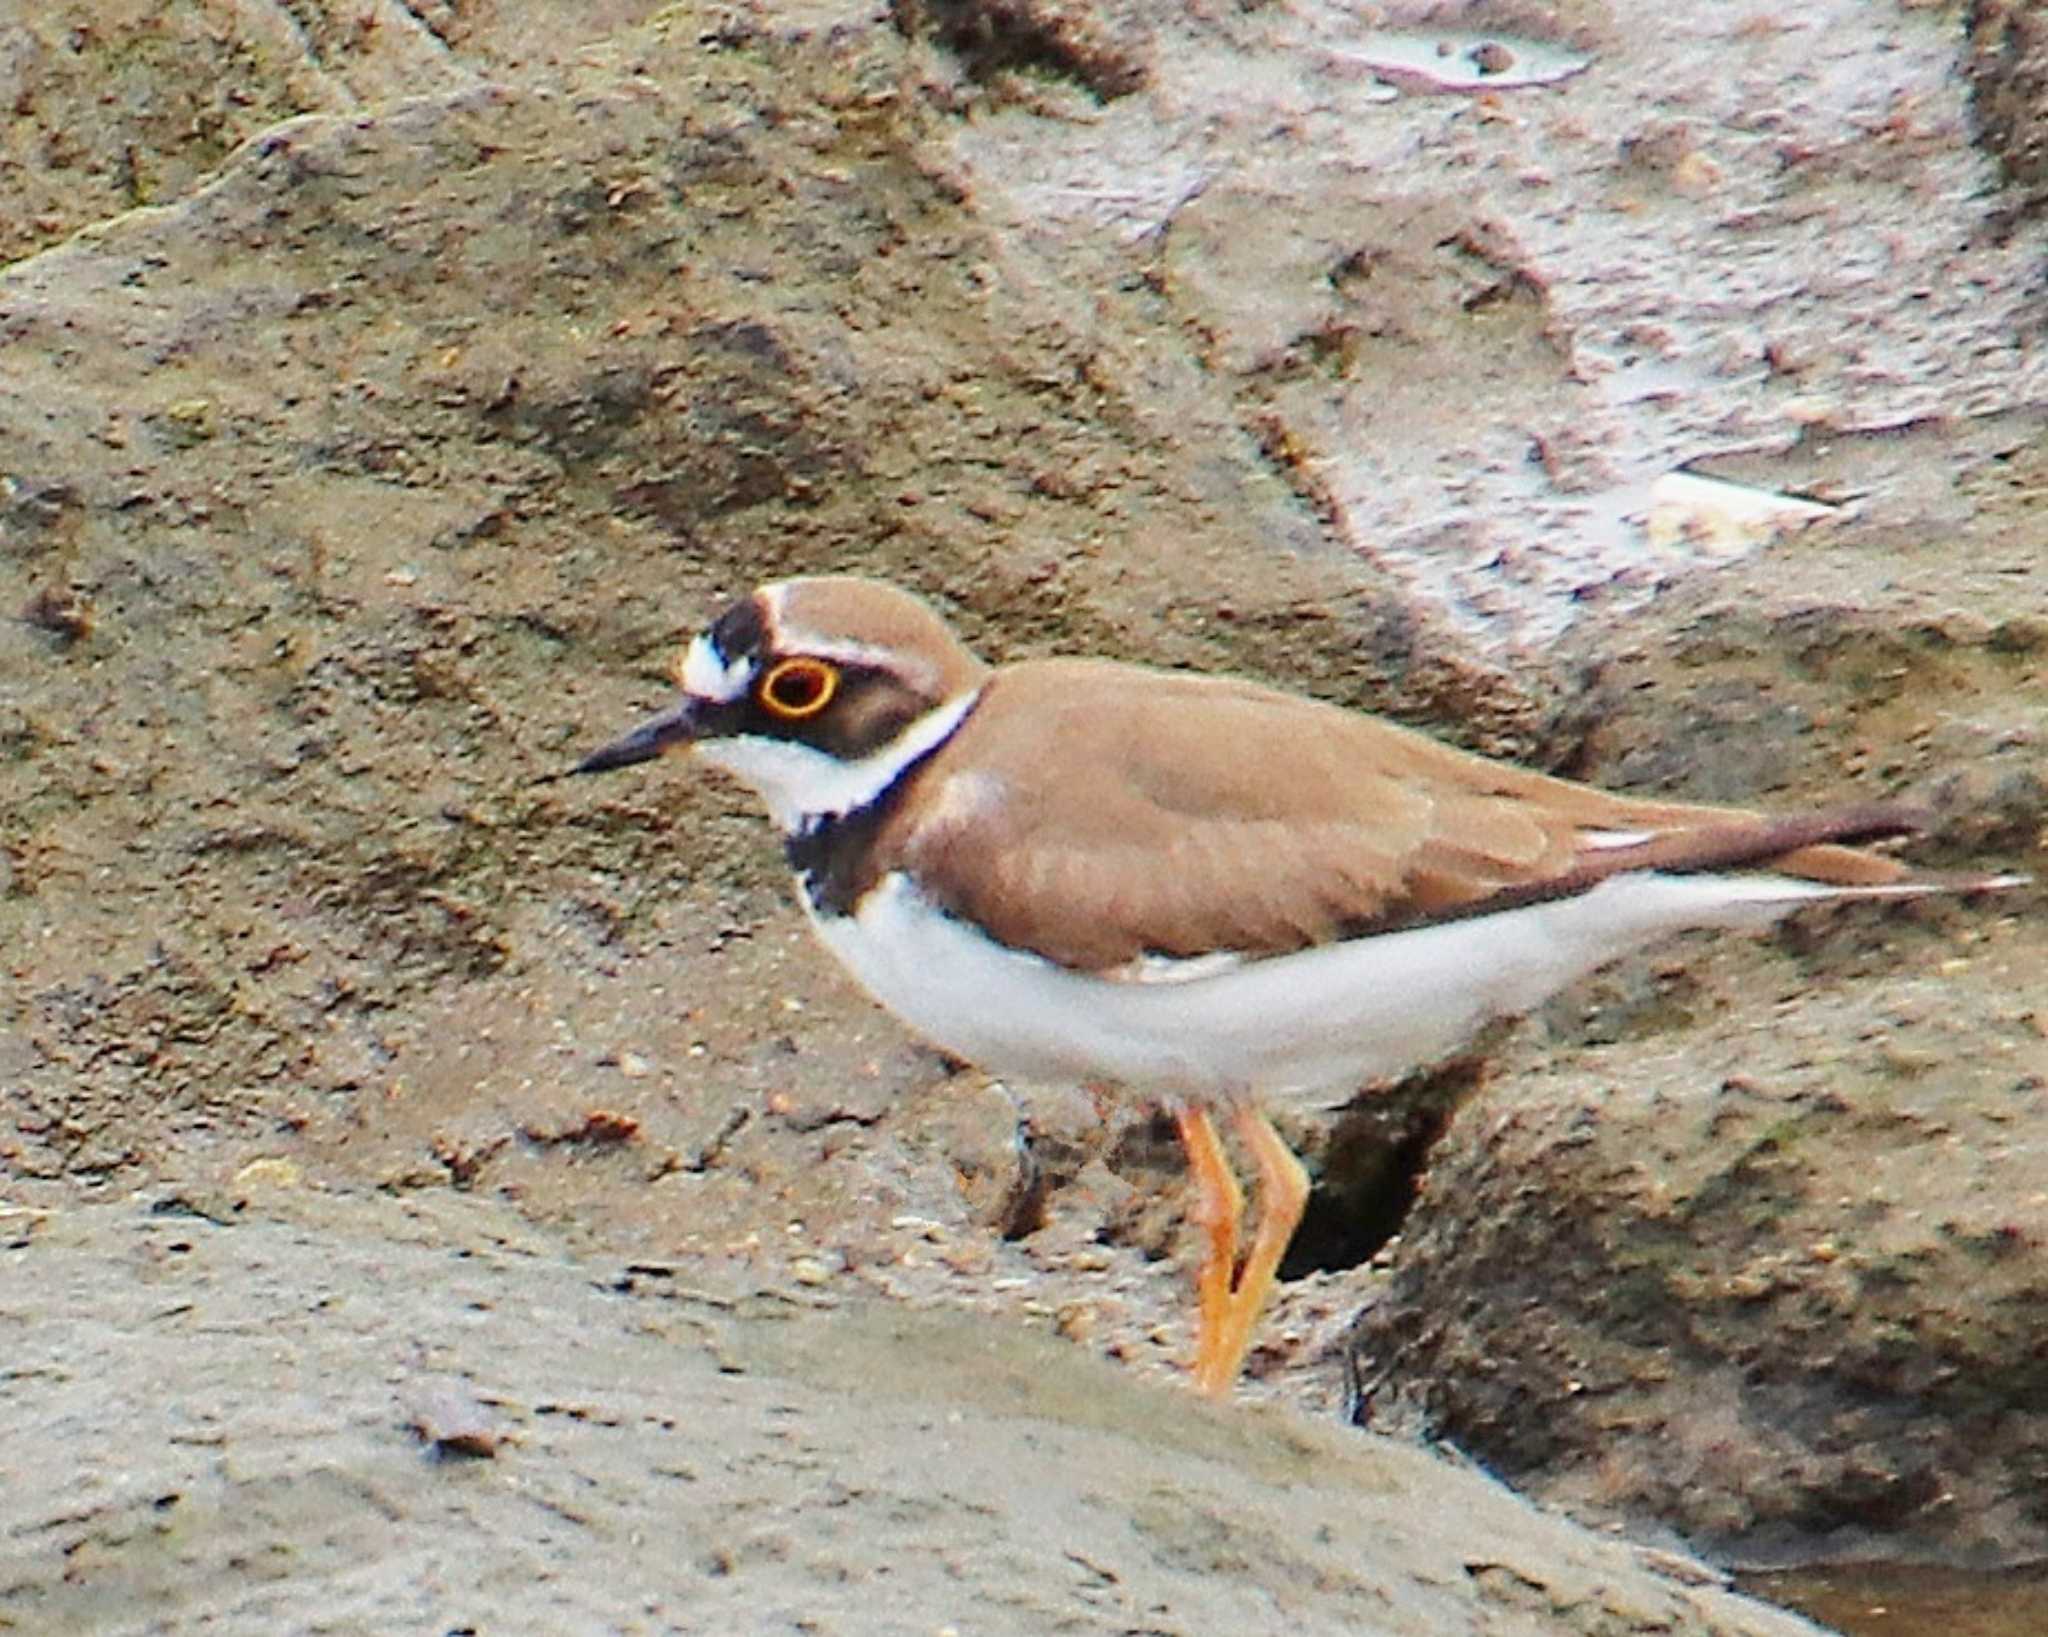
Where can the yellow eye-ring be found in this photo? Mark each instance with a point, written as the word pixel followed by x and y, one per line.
pixel 795 689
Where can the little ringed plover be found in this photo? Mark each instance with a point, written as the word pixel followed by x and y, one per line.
pixel 1194 888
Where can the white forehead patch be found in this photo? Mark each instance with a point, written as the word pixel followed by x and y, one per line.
pixel 708 674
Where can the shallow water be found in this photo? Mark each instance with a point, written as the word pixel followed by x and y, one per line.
pixel 1894 1600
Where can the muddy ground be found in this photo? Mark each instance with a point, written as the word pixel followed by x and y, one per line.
pixel 387 391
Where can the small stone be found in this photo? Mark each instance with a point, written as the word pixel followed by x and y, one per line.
pixel 271 1171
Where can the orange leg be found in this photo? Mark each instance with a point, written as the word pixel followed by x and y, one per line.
pixel 1230 1307
pixel 1219 1205
pixel 1283 1195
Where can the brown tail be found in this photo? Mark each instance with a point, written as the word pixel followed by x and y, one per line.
pixel 1823 846
pixel 1827 846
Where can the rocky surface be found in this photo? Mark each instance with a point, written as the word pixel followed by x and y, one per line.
pixel 370 1415
pixel 357 475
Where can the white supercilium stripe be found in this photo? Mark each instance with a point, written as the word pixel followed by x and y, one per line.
pixel 792 636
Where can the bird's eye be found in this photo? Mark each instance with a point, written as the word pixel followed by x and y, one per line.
pixel 795 689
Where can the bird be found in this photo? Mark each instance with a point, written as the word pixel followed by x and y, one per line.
pixel 1199 891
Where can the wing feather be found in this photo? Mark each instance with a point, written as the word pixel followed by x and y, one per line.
pixel 1120 812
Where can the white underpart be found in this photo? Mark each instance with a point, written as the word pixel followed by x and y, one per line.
pixel 1313 1025
pixel 1177 968
pixel 708 674
pixel 803 786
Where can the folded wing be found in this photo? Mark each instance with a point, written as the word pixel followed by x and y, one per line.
pixel 1115 813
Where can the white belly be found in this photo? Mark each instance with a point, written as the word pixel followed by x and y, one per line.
pixel 1320 1021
